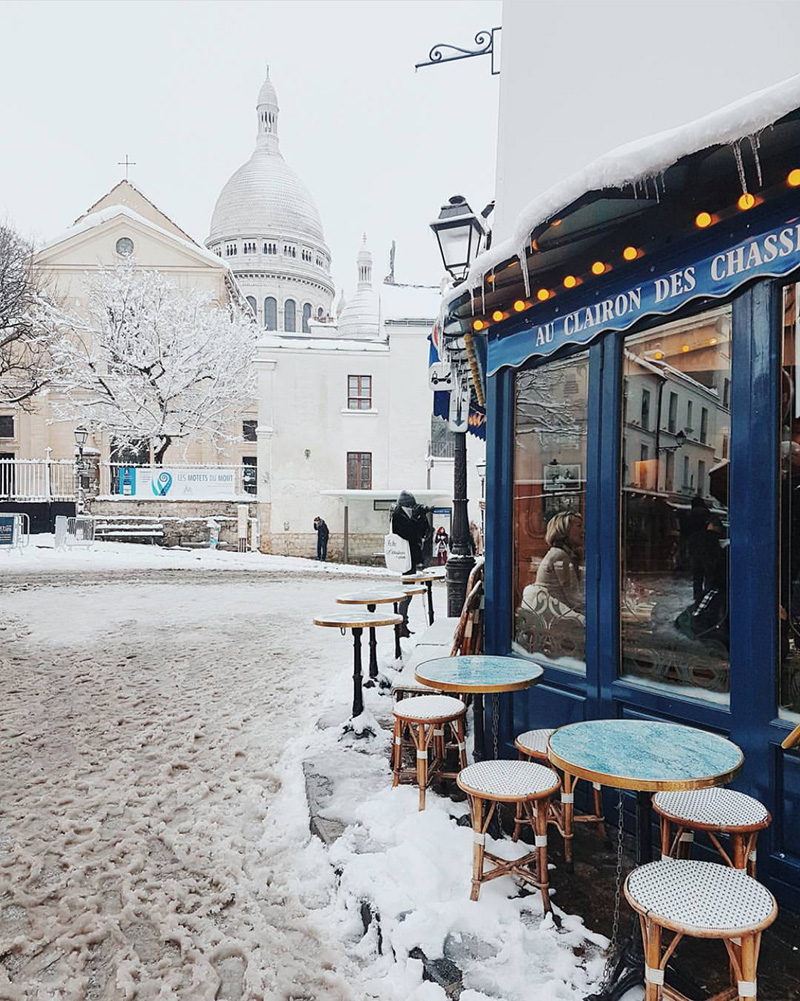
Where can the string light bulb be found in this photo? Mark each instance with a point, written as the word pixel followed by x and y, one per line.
pixel 478 325
pixel 659 355
pixel 598 268
pixel 543 294
pixel 570 281
pixel 746 201
pixel 520 305
pixel 630 253
pixel 793 178
pixel 498 315
pixel 703 220
pixel 685 348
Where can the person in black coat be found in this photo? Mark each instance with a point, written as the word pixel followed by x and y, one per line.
pixel 410 522
pixel 322 538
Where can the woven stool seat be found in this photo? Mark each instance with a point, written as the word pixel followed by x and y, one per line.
pixel 429 707
pixel 508 780
pixel 722 809
pixel 700 898
pixel 410 684
pixel 534 742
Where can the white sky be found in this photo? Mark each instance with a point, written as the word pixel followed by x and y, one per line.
pixel 174 85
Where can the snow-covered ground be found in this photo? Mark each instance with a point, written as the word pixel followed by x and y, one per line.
pixel 154 831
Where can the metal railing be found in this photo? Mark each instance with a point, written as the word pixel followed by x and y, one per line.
pixel 441 449
pixel 37 479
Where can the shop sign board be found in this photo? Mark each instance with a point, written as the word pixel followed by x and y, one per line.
pixel 771 253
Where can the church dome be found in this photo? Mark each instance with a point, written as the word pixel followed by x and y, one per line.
pixel 265 197
pixel 361 316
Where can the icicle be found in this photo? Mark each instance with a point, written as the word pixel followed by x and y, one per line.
pixel 472 297
pixel 483 293
pixel 737 153
pixel 523 263
pixel 755 146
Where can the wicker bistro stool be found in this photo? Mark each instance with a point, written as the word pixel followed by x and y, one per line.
pixel 425 718
pixel 530 786
pixel 715 811
pixel 560 813
pixel 702 900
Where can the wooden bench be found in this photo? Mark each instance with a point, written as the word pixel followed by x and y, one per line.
pixel 129 532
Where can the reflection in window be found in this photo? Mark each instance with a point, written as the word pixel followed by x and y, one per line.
pixel 306 316
pixel 674 545
pixel 549 500
pixel 789 613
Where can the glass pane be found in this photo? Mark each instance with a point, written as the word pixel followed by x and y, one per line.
pixel 675 545
pixel 549 500
pixel 789 613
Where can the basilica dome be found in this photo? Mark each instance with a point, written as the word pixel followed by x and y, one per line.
pixel 267 227
pixel 265 197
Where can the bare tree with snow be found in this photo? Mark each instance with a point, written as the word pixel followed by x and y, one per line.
pixel 28 321
pixel 151 361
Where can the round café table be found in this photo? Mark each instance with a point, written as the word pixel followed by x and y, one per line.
pixel 479 674
pixel 646 756
pixel 357 622
pixel 426 577
pixel 372 599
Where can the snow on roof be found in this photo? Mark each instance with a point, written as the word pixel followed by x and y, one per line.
pixel 410 302
pixel 96 219
pixel 129 184
pixel 306 342
pixel 643 158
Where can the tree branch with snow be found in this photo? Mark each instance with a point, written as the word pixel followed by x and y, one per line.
pixel 29 319
pixel 151 361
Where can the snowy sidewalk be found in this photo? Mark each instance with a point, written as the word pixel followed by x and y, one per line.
pixel 403 885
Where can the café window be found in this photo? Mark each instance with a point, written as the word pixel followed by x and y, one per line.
pixel 250 474
pixel 550 428
pixel 788 619
pixel 675 529
pixel 359 470
pixel 6 425
pixel 359 392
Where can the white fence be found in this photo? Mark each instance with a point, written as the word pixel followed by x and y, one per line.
pixel 37 479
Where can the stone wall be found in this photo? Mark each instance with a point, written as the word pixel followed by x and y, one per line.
pixel 183 522
pixel 362 546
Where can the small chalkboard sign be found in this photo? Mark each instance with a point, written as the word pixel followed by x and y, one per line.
pixel 7 533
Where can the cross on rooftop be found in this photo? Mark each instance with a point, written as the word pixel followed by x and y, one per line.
pixel 126 163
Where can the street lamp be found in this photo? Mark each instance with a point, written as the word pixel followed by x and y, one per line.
pixel 81 437
pixel 459 233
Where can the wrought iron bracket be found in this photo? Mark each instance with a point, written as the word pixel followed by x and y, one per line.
pixel 446 53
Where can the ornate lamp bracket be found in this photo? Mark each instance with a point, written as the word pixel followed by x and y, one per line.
pixel 445 53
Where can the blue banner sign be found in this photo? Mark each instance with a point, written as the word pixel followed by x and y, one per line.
pixel 6 530
pixel 772 253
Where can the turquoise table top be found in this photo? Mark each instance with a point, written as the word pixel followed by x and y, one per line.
pixel 478 673
pixel 645 755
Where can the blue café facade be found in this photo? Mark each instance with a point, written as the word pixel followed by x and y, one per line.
pixel 642 394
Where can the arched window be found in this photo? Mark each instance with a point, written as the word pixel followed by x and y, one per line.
pixel 271 313
pixel 320 312
pixel 306 316
pixel 290 316
pixel 253 305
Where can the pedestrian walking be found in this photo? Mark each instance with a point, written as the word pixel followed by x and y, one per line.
pixel 322 538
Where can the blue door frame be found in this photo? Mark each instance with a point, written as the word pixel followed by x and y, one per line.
pixel 751 718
